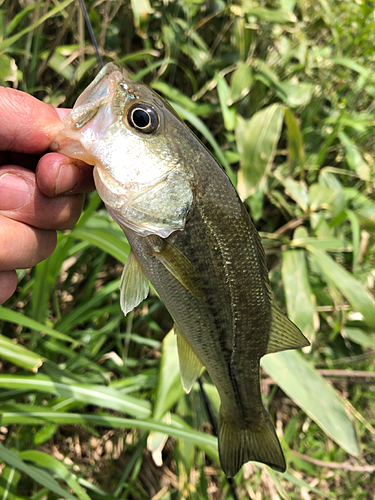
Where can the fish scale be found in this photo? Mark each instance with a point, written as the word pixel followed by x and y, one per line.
pixel 193 239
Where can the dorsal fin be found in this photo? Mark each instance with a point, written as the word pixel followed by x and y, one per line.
pixel 261 254
pixel 284 333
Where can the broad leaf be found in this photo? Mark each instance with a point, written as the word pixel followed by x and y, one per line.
pixel 299 297
pixel 228 112
pixel 256 141
pixel 271 15
pixel 313 394
pixel 240 82
pixel 296 154
pixel 360 337
pixel 353 290
pixel 141 10
pixel 354 158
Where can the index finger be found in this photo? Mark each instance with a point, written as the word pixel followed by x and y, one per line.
pixel 31 125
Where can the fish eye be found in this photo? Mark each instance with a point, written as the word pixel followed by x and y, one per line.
pixel 143 118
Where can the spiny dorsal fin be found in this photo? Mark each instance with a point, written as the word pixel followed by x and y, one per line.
pixel 284 334
pixel 134 284
pixel 261 254
pixel 190 366
pixel 178 265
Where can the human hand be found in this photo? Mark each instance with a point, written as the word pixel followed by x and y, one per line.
pixel 39 193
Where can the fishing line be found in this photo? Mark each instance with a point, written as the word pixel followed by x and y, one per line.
pixel 207 404
pixel 206 401
pixel 91 32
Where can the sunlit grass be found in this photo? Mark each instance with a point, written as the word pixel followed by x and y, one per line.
pixel 91 401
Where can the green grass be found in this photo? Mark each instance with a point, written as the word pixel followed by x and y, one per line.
pixel 282 93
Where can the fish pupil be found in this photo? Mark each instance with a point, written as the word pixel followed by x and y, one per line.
pixel 143 118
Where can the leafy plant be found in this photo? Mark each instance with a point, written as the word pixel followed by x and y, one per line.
pixel 282 93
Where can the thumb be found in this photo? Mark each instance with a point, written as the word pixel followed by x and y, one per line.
pixel 8 284
pixel 15 191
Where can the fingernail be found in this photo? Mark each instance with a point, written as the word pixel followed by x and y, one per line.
pixel 14 192
pixel 67 178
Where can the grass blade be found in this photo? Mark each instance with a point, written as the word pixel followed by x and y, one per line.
pixel 105 240
pixel 104 397
pixel 19 355
pixel 75 316
pixel 40 416
pixel 42 477
pixel 299 297
pixel 169 389
pixel 13 39
pixel 48 462
pixel 20 319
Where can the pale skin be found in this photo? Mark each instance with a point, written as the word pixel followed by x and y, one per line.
pixel 40 192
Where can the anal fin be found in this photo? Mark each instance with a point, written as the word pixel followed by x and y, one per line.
pixel 284 333
pixel 190 365
pixel 134 285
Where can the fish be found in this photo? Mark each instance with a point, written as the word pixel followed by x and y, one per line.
pixel 192 237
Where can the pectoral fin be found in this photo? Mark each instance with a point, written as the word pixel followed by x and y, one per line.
pixel 284 333
pixel 179 266
pixel 134 284
pixel 190 366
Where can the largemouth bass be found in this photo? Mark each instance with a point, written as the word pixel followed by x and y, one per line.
pixel 193 239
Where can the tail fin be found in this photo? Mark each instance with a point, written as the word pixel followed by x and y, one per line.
pixel 237 446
